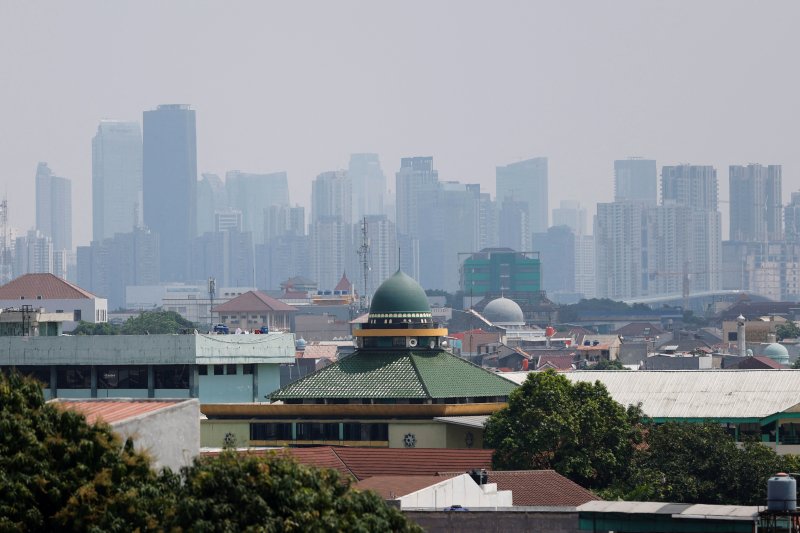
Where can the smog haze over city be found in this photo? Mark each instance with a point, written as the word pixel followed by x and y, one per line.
pixel 300 86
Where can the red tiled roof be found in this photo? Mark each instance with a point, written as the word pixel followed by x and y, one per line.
pixel 48 286
pixel 759 361
pixel 368 462
pixel 393 487
pixel 561 362
pixel 461 334
pixel 538 487
pixel 112 411
pixel 362 463
pixel 253 301
pixel 318 351
pixel 317 456
pixel 344 284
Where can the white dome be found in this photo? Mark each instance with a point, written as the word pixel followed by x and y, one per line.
pixel 503 311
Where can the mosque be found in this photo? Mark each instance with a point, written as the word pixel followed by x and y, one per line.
pixel 400 388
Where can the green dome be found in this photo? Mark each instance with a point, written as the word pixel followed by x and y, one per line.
pixel 400 295
pixel 777 352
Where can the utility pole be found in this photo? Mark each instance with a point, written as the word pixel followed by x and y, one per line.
pixel 212 290
pixel 363 256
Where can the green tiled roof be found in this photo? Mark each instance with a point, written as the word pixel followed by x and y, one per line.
pixel 395 375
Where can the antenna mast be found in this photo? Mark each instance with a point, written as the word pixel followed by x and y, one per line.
pixel 5 248
pixel 363 256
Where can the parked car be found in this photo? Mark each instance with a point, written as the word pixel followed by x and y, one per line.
pixel 222 329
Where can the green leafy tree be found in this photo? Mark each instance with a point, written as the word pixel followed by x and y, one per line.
pixel 576 429
pixel 58 473
pixel 156 322
pixel 701 463
pixel 609 365
pixel 101 328
pixel 240 492
pixel 788 330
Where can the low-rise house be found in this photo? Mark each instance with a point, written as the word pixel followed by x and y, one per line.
pixel 167 430
pixel 54 295
pixel 255 309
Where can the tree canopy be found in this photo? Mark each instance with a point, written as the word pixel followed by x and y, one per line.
pixel 58 473
pixel 575 429
pixel 578 430
pixel 788 330
pixel 147 322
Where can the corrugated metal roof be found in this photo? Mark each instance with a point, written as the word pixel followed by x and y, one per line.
pixel 721 394
pixel 113 411
pixel 685 511
pixel 468 421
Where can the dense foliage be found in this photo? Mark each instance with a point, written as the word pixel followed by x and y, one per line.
pixel 581 432
pixel 577 430
pixel 788 330
pixel 148 322
pixel 58 473
pixel 605 364
pixel 572 313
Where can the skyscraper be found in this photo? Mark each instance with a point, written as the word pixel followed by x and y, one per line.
pixel 54 207
pixel 170 184
pixel 526 181
pixel 211 197
pixel 755 203
pixel 571 214
pixel 636 180
pixel 368 184
pixel 252 194
pixel 695 187
pixel 116 178
pixel 416 184
pixel 618 250
pixel 331 196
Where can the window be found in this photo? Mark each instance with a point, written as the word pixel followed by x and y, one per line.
pixel 76 315
pixel 202 370
pixel 247 369
pixel 317 431
pixel 219 370
pixel 172 376
pixel 271 431
pixel 366 432
pixel 74 377
pixel 230 370
pixel 41 373
pixel 121 377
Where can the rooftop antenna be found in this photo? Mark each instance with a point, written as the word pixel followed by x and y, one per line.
pixel 363 255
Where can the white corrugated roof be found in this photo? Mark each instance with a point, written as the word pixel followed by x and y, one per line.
pixel 675 510
pixel 477 421
pixel 696 393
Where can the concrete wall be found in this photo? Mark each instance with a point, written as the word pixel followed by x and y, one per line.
pixel 226 389
pixel 171 436
pixel 147 349
pixel 427 434
pixel 212 435
pixel 504 521
pixel 457 437
pixel 460 490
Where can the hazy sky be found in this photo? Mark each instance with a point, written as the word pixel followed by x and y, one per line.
pixel 298 86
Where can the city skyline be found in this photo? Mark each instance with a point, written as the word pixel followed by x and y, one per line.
pixel 582 105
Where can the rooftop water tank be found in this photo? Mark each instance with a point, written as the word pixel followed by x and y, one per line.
pixel 781 493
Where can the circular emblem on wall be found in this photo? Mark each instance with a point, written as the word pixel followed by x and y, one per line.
pixel 409 441
pixel 229 440
pixel 469 439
